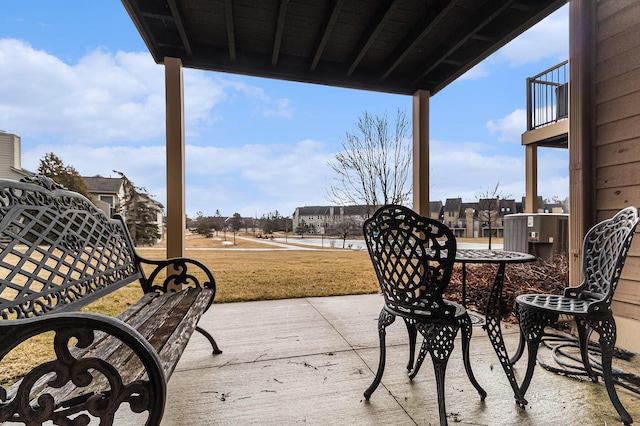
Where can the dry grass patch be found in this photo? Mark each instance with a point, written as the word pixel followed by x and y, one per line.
pixel 240 276
pixel 284 274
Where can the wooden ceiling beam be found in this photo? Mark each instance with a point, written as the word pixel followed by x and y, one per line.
pixel 169 30
pixel 177 18
pixel 231 32
pixel 160 16
pixel 376 24
pixel 461 36
pixel 329 24
pixel 424 25
pixel 277 38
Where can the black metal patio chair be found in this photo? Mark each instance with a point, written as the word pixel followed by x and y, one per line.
pixel 604 251
pixel 413 258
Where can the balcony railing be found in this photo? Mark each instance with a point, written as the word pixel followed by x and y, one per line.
pixel 548 96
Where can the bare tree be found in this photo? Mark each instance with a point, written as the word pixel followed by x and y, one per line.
pixel 373 166
pixel 488 206
pixel 345 227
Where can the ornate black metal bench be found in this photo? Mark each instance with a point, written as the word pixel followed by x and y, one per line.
pixel 58 253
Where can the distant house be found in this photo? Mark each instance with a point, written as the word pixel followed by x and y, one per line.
pixel 10 162
pixel 320 219
pixel 491 213
pixel 472 223
pixel 108 193
pixel 543 207
pixel 109 196
pixel 436 210
pixel 454 216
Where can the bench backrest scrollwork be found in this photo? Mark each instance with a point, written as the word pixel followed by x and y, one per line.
pixel 57 250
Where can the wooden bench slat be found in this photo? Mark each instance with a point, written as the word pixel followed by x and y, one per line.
pixel 179 313
pixel 174 346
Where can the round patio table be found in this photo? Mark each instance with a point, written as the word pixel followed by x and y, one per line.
pixel 492 311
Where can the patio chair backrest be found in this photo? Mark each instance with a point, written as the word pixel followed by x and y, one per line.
pixel 413 258
pixel 605 248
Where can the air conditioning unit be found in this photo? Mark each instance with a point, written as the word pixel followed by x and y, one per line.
pixel 540 234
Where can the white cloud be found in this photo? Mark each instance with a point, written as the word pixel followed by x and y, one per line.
pixel 281 108
pixel 509 128
pixel 480 70
pixel 547 39
pixel 103 97
pixel 467 169
pixel 257 178
pixel 106 96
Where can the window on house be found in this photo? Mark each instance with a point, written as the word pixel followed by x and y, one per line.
pixel 109 200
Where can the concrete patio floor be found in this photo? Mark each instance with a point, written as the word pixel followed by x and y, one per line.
pixel 308 361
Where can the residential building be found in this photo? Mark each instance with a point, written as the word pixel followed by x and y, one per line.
pixel 436 210
pixel 108 192
pixel 491 213
pixel 10 161
pixel 454 216
pixel 109 196
pixel 319 219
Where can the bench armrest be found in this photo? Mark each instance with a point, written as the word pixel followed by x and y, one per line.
pixel 57 385
pixel 181 272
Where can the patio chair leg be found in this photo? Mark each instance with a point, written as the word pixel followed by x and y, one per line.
pixel 385 319
pixel 424 349
pixel 532 325
pixel 583 342
pixel 606 329
pixel 441 338
pixel 411 329
pixel 467 329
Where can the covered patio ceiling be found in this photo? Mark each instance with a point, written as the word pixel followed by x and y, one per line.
pixel 395 46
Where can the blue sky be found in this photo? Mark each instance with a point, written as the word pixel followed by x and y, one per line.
pixel 76 79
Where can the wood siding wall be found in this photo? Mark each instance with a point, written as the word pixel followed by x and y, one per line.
pixel 617 121
pixel 9 156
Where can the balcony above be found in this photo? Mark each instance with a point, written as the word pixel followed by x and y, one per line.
pixel 548 108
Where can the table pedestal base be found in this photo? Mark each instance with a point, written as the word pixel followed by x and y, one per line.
pixel 494 332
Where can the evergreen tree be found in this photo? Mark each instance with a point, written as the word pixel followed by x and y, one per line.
pixel 139 213
pixel 204 225
pixel 53 167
